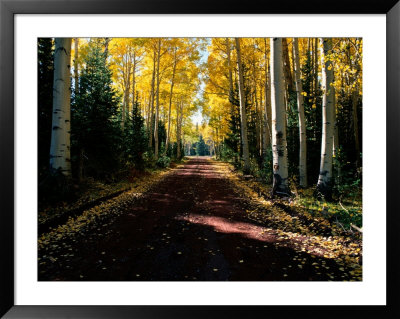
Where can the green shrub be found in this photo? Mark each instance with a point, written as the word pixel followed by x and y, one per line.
pixel 163 161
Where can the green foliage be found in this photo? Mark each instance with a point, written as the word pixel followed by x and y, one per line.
pixel 163 161
pixel 313 119
pixel 171 151
pixel 193 149
pixel 202 148
pixel 266 172
pixel 292 136
pixel 95 126
pixel 162 134
pixel 346 213
pixel 348 157
pixel 134 138
pixel 148 158
pixel 232 141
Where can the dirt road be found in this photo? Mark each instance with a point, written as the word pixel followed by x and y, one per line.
pixel 190 226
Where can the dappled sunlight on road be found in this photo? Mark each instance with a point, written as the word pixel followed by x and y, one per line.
pixel 295 241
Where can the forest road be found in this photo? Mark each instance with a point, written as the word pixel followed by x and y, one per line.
pixel 190 226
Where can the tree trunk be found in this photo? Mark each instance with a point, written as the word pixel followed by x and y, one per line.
pixel 179 113
pixel 324 186
pixel 258 111
pixel 134 80
pixel 106 42
pixel 257 120
pixel 80 165
pixel 230 80
pixel 286 64
pixel 300 109
pixel 76 66
pixel 354 98
pixel 336 143
pixel 314 85
pixel 267 103
pixel 76 92
pixel 355 124
pixel 315 81
pixel 157 102
pixel 243 117
pixel 264 132
pixel 170 103
pixel 125 105
pixel 152 102
pixel 279 146
pixel 61 126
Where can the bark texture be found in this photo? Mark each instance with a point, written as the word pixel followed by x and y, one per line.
pixel 300 109
pixel 324 186
pixel 151 106
pixel 243 117
pixel 60 137
pixel 170 102
pixel 76 66
pixel 279 143
pixel 267 104
pixel 157 102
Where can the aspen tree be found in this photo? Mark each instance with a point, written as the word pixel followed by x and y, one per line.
pixel 61 126
pixel 76 66
pixel 300 110
pixel 243 117
pixel 324 186
pixel 170 101
pixel 279 146
pixel 228 54
pixel 127 83
pixel 157 101
pixel 354 97
pixel 267 104
pixel 151 106
pixel 286 65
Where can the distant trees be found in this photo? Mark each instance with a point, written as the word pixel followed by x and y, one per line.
pixel 121 88
pixel 283 112
pixel 201 148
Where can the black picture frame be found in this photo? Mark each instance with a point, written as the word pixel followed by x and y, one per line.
pixel 8 8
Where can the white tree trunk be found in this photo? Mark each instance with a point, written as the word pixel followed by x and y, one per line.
pixel 134 79
pixel 157 102
pixel 324 185
pixel 170 103
pixel 125 106
pixel 267 105
pixel 228 54
pixel 243 117
pixel 60 137
pixel 150 127
pixel 264 132
pixel 300 109
pixel 179 116
pixel 279 144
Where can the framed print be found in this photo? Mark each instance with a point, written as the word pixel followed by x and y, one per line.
pixel 176 185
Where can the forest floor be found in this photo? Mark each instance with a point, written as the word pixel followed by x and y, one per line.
pixel 199 221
